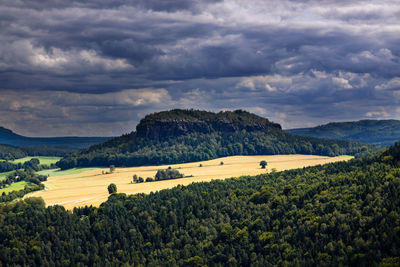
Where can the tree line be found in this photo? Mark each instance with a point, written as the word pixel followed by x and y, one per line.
pixel 166 174
pixel 8 152
pixel 131 150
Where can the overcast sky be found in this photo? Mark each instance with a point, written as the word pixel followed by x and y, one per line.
pixel 95 68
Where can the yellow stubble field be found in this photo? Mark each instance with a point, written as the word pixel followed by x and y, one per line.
pixel 90 187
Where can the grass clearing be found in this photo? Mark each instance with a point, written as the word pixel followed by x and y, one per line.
pixel 14 187
pixel 3 175
pixel 43 160
pixel 90 187
pixel 58 172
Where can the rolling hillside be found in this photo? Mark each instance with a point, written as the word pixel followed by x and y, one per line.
pixel 10 138
pixel 179 136
pixel 85 186
pixel 340 214
pixel 380 132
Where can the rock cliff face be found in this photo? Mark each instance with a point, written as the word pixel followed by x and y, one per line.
pixel 180 122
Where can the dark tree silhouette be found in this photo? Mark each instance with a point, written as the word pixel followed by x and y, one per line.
pixel 263 163
pixel 112 188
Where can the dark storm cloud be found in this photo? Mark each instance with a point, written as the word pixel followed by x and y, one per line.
pixel 157 5
pixel 292 61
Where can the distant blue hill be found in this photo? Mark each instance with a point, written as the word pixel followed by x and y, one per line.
pixel 10 138
pixel 379 132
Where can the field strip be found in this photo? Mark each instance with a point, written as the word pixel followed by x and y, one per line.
pixel 90 187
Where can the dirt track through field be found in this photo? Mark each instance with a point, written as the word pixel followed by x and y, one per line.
pixel 90 187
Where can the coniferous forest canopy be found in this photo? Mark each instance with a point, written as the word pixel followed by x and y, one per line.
pixel 345 213
pixel 191 135
pixel 8 152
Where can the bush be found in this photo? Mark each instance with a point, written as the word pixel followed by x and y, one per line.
pixel 168 174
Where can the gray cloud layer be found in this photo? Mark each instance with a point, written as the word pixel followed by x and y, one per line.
pixel 96 67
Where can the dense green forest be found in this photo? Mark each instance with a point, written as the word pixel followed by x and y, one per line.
pixel 189 135
pixel 11 152
pixel 6 166
pixel 345 213
pixel 8 152
pixel 379 132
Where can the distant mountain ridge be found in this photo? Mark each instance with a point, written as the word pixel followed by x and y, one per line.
pixel 178 136
pixel 379 132
pixel 8 137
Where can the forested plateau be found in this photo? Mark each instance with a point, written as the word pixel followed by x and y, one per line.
pixel 178 136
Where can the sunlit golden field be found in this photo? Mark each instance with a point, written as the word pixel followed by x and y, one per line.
pixel 90 187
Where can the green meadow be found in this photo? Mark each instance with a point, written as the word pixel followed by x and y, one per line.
pixel 43 160
pixel 58 172
pixel 3 175
pixel 14 187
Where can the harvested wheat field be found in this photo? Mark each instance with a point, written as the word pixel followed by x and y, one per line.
pixel 90 187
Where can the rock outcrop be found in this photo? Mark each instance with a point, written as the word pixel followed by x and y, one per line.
pixel 180 122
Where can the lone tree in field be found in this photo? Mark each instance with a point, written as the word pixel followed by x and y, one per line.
pixel 112 188
pixel 135 178
pixel 112 168
pixel 263 163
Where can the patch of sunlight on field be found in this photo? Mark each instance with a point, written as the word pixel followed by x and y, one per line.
pixel 58 172
pixel 3 175
pixel 43 160
pixel 90 187
pixel 14 187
